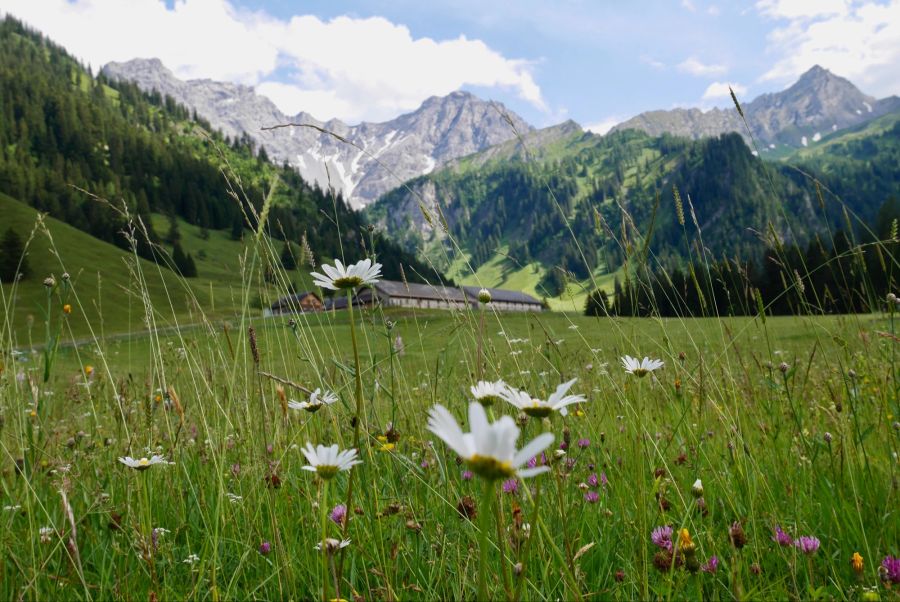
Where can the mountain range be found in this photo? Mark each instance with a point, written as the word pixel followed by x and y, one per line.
pixel 363 162
pixel 817 104
pixel 373 159
pixel 559 210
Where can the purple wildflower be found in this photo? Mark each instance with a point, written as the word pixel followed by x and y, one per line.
pixel 591 497
pixel 711 566
pixel 890 570
pixel 264 548
pixel 604 482
pixel 782 538
pixel 339 514
pixel 662 537
pixel 593 481
pixel 467 475
pixel 807 544
pixel 235 469
pixel 563 445
pixel 534 461
pixel 424 464
pixel 583 443
pixel 511 486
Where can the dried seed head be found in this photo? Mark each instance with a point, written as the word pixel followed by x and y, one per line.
pixel 251 334
pixel 737 535
pixel 466 508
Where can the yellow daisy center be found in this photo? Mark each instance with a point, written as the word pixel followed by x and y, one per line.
pixel 537 409
pixel 490 468
pixel 326 471
pixel 347 282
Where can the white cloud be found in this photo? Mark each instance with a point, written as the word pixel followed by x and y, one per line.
pixel 349 68
pixel 859 40
pixel 801 9
pixel 717 90
pixel 694 66
pixel 604 125
pixel 648 60
pixel 688 5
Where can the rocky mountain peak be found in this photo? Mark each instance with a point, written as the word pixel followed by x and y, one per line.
pixel 818 103
pixel 441 129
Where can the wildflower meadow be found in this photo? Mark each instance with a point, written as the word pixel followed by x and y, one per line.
pixel 470 454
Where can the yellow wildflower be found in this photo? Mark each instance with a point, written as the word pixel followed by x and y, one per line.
pixel 856 561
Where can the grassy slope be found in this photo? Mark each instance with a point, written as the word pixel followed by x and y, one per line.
pixel 871 128
pixel 100 274
pixel 102 283
pixel 499 271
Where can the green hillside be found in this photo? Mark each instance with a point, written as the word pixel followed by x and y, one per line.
pixel 576 210
pixel 67 137
pixel 104 280
pixel 103 273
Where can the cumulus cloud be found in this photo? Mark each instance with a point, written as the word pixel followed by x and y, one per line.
pixel 719 90
pixel 858 40
pixel 792 9
pixel 695 66
pixel 353 69
pixel 604 125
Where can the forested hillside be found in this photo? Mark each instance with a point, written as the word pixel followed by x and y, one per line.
pixel 61 130
pixel 585 207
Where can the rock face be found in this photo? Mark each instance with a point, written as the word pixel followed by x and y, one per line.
pixel 816 105
pixel 375 158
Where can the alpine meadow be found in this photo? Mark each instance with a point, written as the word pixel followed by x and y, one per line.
pixel 248 354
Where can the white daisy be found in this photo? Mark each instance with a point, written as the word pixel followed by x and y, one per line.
pixel 339 276
pixel 317 399
pixel 640 367
pixel 490 449
pixel 538 408
pixel 328 461
pixel 333 545
pixel 143 463
pixel 486 392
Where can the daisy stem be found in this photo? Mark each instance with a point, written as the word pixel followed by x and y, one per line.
pixel 501 542
pixel 357 418
pixel 483 527
pixel 480 367
pixel 323 514
pixel 526 548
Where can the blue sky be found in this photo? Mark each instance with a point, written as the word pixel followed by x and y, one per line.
pixel 595 62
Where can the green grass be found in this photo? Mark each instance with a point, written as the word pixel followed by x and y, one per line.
pixel 106 296
pixel 722 412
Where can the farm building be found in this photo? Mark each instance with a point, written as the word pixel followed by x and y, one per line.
pixel 389 293
pixel 506 300
pixel 300 302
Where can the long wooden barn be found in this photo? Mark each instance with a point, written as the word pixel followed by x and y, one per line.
pixel 390 293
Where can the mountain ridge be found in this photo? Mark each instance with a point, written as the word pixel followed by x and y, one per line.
pixel 817 104
pixel 376 157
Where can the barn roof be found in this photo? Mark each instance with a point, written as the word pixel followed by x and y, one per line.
pixel 413 290
pixel 503 295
